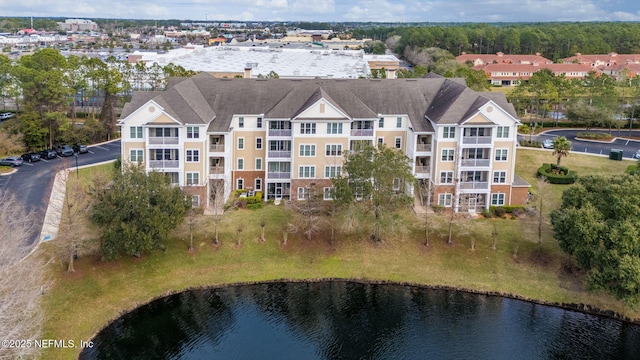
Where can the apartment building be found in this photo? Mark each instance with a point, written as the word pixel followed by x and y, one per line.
pixel 278 136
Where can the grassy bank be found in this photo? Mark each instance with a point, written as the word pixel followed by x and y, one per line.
pixel 80 304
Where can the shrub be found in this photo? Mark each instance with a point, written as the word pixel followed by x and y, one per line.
pixel 593 136
pixel 533 143
pixel 255 206
pixel 487 214
pixel 499 211
pixel 555 176
pixel 438 209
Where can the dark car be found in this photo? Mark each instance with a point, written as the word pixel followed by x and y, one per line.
pixel 80 149
pixel 64 150
pixel 11 161
pixel 48 154
pixel 31 157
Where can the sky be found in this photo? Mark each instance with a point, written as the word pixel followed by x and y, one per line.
pixel 486 11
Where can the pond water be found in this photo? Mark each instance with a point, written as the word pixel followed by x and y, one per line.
pixel 347 320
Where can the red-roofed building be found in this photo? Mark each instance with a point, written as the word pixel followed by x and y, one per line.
pixel 513 74
pixel 501 58
pixel 611 64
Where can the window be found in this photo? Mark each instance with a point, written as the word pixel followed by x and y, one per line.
pixel 497 199
pixel 358 192
pixel 380 141
pixel 449 132
pixel 258 163
pixel 136 155
pixel 257 184
pixel 333 150
pixel 240 143
pixel 195 200
pixel 332 171
pixel 303 193
pixel 136 132
pixel 327 193
pixel 381 122
pixel 396 184
pixel 193 178
pixel 398 122
pixel 447 154
pixel 502 132
pixel 398 142
pixel 259 123
pixel 307 172
pixel 241 122
pixel 174 177
pixel 307 150
pixel 240 164
pixel 446 177
pixel 499 177
pixel 240 184
pixel 445 199
pixel 307 128
pixel 334 128
pixel 193 132
pixel 501 154
pixel 258 143
pixel 193 155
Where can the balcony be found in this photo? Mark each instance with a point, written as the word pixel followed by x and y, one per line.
pixel 216 148
pixel 361 132
pixel 161 140
pixel 476 139
pixel 278 175
pixel 475 162
pixel 474 185
pixel 279 132
pixel 279 154
pixel 164 164
pixel 423 169
pixel 423 147
pixel 216 170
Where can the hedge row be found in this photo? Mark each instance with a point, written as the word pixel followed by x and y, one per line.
pixel 593 136
pixel 564 176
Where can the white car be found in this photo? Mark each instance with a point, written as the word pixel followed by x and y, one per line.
pixel 636 155
pixel 547 144
pixel 5 116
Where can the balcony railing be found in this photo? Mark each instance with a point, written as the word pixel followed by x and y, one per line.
pixel 423 147
pixel 475 162
pixel 216 147
pixel 278 175
pixel 476 139
pixel 279 132
pixel 423 170
pixel 473 185
pixel 159 140
pixel 279 154
pixel 164 164
pixel 361 132
pixel 216 170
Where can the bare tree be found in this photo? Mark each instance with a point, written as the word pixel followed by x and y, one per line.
pixel 21 281
pixel 75 206
pixel 263 223
pixel 309 209
pixel 216 205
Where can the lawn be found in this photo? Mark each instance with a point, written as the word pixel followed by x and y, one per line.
pixel 79 304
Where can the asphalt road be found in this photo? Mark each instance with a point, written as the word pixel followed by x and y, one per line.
pixel 32 182
pixel 628 146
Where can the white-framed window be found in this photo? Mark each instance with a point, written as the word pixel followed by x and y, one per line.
pixel 398 142
pixel 240 164
pixel 446 177
pixel 303 193
pixel 307 128
pixel 241 122
pixel 497 199
pixel 257 184
pixel 499 177
pixel 136 132
pixel 358 192
pixel 258 143
pixel 240 143
pixel 307 150
pixel 193 132
pixel 195 200
pixel 381 123
pixel 136 155
pixel 445 199
pixel 239 183
pixel 334 128
pixel 501 154
pixel 396 184
pixel 502 132
pixel 193 178
pixel 333 150
pixel 449 132
pixel 398 122
pixel 448 154
pixel 327 193
pixel 193 155
pixel 259 123
pixel 258 163
pixel 380 141
pixel 332 171
pixel 307 171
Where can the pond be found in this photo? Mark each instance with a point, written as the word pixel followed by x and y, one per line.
pixel 350 320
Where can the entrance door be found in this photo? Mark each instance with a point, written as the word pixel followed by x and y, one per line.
pixel 278 191
pixel 472 204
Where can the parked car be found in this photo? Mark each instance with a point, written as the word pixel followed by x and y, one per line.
pixel 31 157
pixel 636 155
pixel 48 154
pixel 64 150
pixel 547 144
pixel 12 161
pixel 6 116
pixel 80 149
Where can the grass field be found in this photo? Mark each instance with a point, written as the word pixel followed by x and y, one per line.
pixel 80 304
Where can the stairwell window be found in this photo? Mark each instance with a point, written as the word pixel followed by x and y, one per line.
pixel 445 199
pixel 448 154
pixel 193 132
pixel 501 154
pixel 308 128
pixel 446 177
pixel 502 132
pixel 449 132
pixel 241 122
pixel 193 178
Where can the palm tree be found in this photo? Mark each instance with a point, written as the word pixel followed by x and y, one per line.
pixel 561 147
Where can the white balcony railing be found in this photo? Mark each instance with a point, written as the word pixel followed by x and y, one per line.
pixel 423 170
pixel 361 132
pixel 158 140
pixel 164 164
pixel 279 154
pixel 279 132
pixel 474 185
pixel 423 147
pixel 476 139
pixel 475 162
pixel 216 147
pixel 216 170
pixel 278 175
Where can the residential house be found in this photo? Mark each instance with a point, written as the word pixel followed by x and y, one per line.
pixel 279 136
pixel 612 64
pixel 513 74
pixel 501 58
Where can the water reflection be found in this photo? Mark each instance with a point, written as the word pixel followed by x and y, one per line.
pixel 345 320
